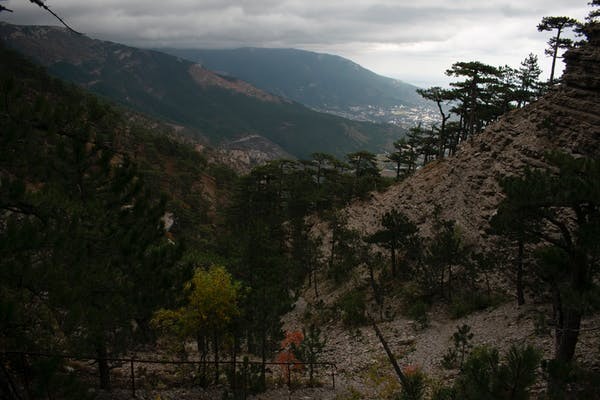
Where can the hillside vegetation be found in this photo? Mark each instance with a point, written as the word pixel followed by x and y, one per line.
pixel 183 93
pixel 130 260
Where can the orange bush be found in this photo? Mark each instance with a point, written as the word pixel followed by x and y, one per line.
pixel 286 354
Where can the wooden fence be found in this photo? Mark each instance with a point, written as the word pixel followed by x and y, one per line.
pixel 128 366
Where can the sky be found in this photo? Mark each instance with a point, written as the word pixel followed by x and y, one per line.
pixel 415 41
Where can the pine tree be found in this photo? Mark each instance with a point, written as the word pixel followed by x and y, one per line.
pixel 528 74
pixel 472 95
pixel 97 249
pixel 398 233
pixel 556 42
pixel 560 208
pixel 439 96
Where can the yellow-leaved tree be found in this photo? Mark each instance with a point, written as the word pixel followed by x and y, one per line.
pixel 211 307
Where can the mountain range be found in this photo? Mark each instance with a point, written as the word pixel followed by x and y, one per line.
pixel 218 108
pixel 321 81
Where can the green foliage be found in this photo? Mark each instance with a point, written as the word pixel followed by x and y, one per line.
pixel 398 235
pixel 418 312
pixel 310 349
pixel 352 308
pixel 467 302
pixel 570 380
pixel 484 376
pixel 312 345
pixel 405 157
pixel 537 205
pixel 414 386
pixel 556 43
pixel 443 253
pixel 352 394
pixel 347 251
pixel 83 248
pixel 366 178
pixel 455 355
pixel 211 305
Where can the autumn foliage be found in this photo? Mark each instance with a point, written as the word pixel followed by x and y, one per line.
pixel 288 346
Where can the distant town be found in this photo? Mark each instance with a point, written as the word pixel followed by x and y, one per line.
pixel 400 115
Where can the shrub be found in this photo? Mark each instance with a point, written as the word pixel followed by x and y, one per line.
pixel 414 387
pixel 352 308
pixel 483 376
pixel 455 356
pixel 418 312
pixel 465 303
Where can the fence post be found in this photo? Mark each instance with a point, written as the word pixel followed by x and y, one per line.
pixel 245 377
pixel 132 377
pixel 333 375
pixel 26 375
pixel 289 376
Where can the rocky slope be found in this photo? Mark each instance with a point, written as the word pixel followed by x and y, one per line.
pixel 467 189
pixel 466 185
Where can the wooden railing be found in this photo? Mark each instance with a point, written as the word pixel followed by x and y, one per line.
pixel 129 363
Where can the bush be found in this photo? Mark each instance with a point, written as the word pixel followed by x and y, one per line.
pixel 414 387
pixel 569 380
pixel 483 376
pixel 464 303
pixel 418 312
pixel 455 356
pixel 352 308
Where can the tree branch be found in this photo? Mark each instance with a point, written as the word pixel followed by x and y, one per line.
pixel 41 4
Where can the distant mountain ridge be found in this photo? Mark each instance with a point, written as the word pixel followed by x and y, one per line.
pixel 321 81
pixel 220 108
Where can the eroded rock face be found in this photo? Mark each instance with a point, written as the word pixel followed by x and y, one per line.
pixel 466 185
pixel 583 68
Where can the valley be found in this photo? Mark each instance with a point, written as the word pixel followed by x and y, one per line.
pixel 272 223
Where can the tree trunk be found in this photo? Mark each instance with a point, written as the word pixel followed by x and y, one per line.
pixel 234 359
pixel 520 294
pixel 450 282
pixel 103 369
pixel 567 335
pixel 263 359
pixel 443 269
pixel 332 253
pixel 393 251
pixel 216 344
pixel 315 283
pixel 390 355
pixel 201 343
pixel 554 56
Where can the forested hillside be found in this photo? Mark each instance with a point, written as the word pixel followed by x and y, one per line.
pixel 135 265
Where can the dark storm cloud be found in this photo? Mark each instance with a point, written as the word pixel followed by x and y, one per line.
pixel 403 38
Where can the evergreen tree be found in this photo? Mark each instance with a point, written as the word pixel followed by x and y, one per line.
pixel 98 252
pixel 398 233
pixel 560 208
pixel 439 96
pixel 556 42
pixel 446 250
pixel 365 170
pixel 405 157
pixel 529 86
pixel 472 95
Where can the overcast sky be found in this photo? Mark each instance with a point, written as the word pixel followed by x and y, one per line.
pixel 412 40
